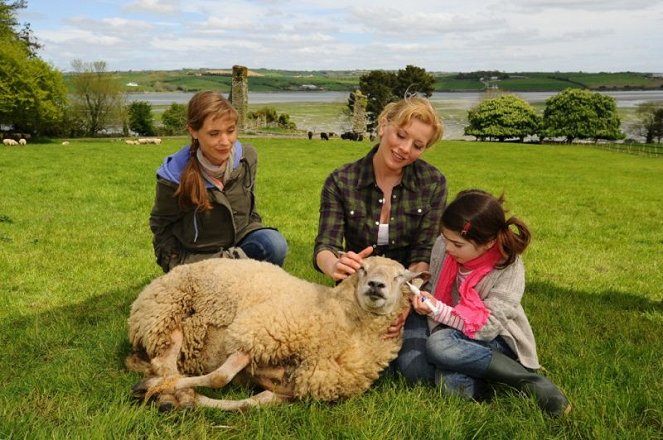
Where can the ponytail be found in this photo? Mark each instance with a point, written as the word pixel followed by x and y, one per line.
pixel 511 243
pixel 192 190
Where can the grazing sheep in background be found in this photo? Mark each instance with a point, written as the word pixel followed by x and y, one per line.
pixel 22 141
pixel 145 141
pixel 324 136
pixel 9 142
pixel 296 339
pixel 65 143
pixel 310 135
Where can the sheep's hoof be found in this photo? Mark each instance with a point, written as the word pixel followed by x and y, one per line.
pixel 138 390
pixel 165 407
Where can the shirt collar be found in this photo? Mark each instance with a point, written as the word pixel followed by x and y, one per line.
pixel 366 175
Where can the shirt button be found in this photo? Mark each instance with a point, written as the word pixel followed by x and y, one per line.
pixel 380 200
pixel 419 210
pixel 393 196
pixel 377 223
pixel 392 219
pixel 393 241
pixel 352 213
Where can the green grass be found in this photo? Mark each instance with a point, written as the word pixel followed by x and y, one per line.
pixel 75 250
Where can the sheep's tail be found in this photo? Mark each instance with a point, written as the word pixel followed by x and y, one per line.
pixel 138 362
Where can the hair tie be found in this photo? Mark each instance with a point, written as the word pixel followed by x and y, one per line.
pixel 466 228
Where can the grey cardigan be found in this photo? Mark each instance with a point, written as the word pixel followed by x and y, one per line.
pixel 501 291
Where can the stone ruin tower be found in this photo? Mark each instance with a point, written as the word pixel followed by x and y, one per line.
pixel 359 113
pixel 239 94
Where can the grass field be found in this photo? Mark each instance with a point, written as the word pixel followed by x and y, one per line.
pixel 75 250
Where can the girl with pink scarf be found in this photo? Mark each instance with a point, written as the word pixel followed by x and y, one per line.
pixel 478 330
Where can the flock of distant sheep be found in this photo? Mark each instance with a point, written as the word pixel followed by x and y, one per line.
pixel 10 142
pixel 143 141
pixel 139 141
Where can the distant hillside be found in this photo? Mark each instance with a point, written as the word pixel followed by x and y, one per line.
pixel 265 80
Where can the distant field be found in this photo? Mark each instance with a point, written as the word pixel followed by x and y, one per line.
pixel 263 80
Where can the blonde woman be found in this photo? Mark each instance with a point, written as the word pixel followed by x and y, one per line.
pixel 390 203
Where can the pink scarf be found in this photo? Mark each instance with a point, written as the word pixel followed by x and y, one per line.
pixel 470 308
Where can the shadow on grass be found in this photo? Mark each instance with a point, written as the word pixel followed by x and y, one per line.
pixel 601 347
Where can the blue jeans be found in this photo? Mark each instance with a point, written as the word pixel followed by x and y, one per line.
pixel 411 361
pixel 265 245
pixel 461 362
pixel 447 357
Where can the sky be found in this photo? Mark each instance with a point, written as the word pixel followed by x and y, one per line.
pixel 438 35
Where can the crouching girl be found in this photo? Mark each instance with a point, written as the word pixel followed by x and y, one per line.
pixel 479 332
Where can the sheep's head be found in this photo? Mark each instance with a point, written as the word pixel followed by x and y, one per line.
pixel 380 283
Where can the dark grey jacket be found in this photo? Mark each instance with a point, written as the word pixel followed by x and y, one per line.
pixel 185 235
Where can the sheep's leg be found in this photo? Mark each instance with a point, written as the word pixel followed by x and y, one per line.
pixel 271 379
pixel 218 378
pixel 260 399
pixel 165 366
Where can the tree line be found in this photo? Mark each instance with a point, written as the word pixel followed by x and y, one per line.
pixel 573 114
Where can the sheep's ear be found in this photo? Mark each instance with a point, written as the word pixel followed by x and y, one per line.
pixel 424 275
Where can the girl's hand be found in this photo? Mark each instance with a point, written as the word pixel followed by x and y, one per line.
pixel 424 303
pixel 349 262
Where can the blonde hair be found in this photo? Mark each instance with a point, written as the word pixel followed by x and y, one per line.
pixel 400 113
pixel 191 190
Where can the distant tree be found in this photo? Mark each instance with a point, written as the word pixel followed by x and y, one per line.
pixel 650 123
pixel 32 93
pixel 413 80
pixel 501 118
pixel 97 97
pixel 378 86
pixel 581 114
pixel 265 116
pixel 174 119
pixel 285 122
pixel 382 87
pixel 140 118
pixel 10 29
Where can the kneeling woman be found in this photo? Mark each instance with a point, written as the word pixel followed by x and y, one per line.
pixel 205 198
pixel 478 329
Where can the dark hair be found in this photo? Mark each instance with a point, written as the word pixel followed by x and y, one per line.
pixel 191 190
pixel 478 216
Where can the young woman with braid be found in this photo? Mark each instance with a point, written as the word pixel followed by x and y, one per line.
pixel 479 332
pixel 205 198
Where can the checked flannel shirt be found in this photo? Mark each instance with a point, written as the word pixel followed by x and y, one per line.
pixel 350 207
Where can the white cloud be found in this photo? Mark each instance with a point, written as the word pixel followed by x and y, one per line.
pixel 517 35
pixel 166 7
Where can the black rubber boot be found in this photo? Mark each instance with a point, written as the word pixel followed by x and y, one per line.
pixel 505 370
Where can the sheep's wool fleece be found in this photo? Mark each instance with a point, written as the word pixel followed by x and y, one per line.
pixel 330 347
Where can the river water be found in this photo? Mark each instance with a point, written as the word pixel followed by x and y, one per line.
pixel 449 104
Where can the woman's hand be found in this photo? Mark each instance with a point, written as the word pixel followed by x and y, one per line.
pixel 395 328
pixel 348 263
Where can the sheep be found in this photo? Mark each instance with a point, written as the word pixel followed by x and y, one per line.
pixel 65 142
pixel 22 141
pixel 324 136
pixel 9 142
pixel 145 141
pixel 296 339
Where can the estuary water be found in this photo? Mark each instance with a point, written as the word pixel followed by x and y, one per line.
pixel 451 105
pixel 626 99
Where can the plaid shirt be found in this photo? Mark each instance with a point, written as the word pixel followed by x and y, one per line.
pixel 350 207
